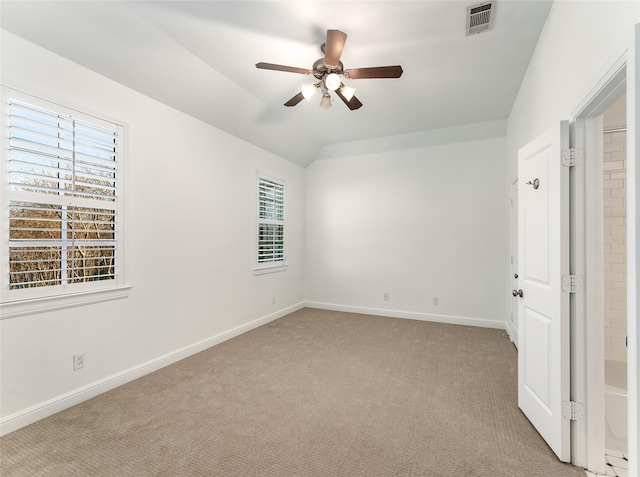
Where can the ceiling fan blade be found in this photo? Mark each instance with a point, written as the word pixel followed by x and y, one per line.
pixel 374 72
pixel 333 47
pixel 295 100
pixel 288 69
pixel 353 103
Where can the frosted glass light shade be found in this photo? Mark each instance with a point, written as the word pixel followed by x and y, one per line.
pixel 308 91
pixel 332 81
pixel 325 103
pixel 347 92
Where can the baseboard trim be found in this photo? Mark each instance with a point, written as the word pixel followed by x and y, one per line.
pixel 32 414
pixel 411 315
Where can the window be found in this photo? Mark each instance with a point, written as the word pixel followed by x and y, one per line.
pixel 271 251
pixel 62 203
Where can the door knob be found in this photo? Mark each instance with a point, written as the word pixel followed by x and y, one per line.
pixel 517 293
pixel 515 275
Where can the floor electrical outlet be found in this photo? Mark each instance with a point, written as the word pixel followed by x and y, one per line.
pixel 78 361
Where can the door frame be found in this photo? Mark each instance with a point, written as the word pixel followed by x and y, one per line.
pixel 587 324
pixel 513 249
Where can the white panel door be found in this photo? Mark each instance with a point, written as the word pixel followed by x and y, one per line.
pixel 543 311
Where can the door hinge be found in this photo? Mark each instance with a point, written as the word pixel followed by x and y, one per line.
pixel 572 157
pixel 573 411
pixel 572 283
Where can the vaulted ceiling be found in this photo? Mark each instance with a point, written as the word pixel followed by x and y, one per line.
pixel 200 56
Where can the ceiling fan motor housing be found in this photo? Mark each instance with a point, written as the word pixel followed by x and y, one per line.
pixel 320 69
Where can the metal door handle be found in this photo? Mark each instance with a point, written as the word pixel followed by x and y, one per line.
pixel 517 293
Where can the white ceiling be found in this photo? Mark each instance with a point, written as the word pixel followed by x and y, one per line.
pixel 199 57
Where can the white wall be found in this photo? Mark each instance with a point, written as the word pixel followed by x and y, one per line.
pixel 578 44
pixel 190 191
pixel 415 223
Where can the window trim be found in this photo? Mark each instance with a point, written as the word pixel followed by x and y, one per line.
pixel 31 306
pixel 25 301
pixel 263 268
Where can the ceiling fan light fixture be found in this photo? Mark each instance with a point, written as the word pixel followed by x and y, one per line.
pixel 347 92
pixel 325 103
pixel 332 81
pixel 308 90
pixel 328 72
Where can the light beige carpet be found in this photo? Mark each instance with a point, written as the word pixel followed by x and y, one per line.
pixel 316 393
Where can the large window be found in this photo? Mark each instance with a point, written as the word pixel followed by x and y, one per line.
pixel 271 245
pixel 62 201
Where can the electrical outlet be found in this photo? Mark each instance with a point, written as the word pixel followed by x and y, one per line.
pixel 436 300
pixel 386 297
pixel 78 361
pixel 273 300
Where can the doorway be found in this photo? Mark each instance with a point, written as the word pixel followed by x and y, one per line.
pixel 599 253
pixel 614 175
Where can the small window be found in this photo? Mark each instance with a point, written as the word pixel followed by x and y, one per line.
pixel 271 238
pixel 62 203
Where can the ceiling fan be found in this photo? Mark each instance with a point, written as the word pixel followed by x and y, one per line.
pixel 327 72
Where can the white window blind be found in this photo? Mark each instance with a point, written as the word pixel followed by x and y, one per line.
pixel 62 198
pixel 270 221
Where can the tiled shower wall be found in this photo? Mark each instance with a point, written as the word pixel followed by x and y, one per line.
pixel 615 244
